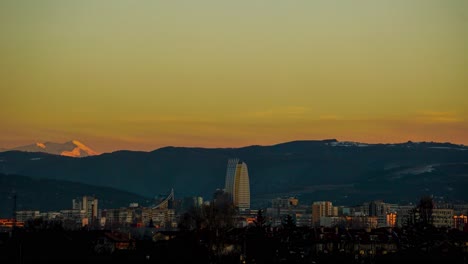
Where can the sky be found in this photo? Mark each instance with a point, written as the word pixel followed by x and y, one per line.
pixel 140 75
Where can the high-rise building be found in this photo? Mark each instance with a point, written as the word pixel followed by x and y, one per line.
pixel 90 206
pixel 321 209
pixel 237 184
pixel 378 208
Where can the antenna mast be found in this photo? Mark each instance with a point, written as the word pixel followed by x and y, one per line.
pixel 14 209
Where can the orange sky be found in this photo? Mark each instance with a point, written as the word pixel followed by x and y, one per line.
pixel 145 74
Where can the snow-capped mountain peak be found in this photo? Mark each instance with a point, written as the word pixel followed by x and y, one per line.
pixel 73 148
pixel 80 150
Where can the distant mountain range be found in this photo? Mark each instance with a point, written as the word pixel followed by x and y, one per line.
pixel 343 172
pixel 73 148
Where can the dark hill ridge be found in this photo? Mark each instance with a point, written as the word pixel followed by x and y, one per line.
pixel 344 172
pixel 50 195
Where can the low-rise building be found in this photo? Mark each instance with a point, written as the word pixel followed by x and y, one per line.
pixel 442 217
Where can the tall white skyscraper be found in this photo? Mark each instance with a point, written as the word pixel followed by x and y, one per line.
pixel 237 184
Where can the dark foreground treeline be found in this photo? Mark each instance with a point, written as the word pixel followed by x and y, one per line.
pixel 254 244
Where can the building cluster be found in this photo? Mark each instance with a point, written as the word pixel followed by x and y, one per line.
pixel 85 212
pixel 161 215
pixel 369 215
pixel 165 212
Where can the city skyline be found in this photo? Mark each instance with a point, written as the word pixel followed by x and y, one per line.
pixel 140 76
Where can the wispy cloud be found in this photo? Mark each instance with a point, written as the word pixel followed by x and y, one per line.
pixel 287 111
pixel 330 118
pixel 438 117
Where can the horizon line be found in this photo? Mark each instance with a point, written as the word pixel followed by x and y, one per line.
pixel 238 147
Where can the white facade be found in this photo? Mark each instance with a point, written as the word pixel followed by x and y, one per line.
pixel 237 184
pixel 23 216
pixel 442 217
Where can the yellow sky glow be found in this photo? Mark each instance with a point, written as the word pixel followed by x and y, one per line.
pixel 140 75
